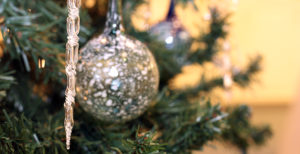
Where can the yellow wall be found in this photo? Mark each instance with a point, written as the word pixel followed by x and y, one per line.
pixel 268 27
pixel 272 28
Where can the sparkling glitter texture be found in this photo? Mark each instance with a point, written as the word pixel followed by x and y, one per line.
pixel 117 75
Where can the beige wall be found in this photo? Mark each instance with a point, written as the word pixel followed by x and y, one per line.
pixel 272 28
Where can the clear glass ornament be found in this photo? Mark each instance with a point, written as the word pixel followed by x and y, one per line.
pixel 117 75
pixel 170 31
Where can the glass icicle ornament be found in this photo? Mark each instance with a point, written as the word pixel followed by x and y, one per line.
pixel 117 75
pixel 170 31
pixel 73 26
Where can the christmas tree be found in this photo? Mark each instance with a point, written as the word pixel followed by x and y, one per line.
pixel 33 83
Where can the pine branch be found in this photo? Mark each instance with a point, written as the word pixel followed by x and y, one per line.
pixel 240 132
pixel 242 78
pixel 6 80
pixel 184 125
pixel 143 143
pixel 21 135
pixel 167 59
pixel 216 31
pixel 35 29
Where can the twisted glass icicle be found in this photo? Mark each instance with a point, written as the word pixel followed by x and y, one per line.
pixel 73 26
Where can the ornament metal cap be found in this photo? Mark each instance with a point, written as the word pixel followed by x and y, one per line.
pixel 113 25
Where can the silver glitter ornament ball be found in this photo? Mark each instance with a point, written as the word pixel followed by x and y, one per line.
pixel 117 76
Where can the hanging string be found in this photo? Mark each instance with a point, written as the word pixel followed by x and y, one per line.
pixel 72 46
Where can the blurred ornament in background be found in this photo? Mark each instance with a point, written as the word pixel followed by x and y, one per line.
pixel 225 7
pixel 171 32
pixel 227 69
pixel 223 61
pixel 117 75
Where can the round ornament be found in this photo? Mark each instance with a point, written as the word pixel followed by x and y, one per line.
pixel 117 75
pixel 170 31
